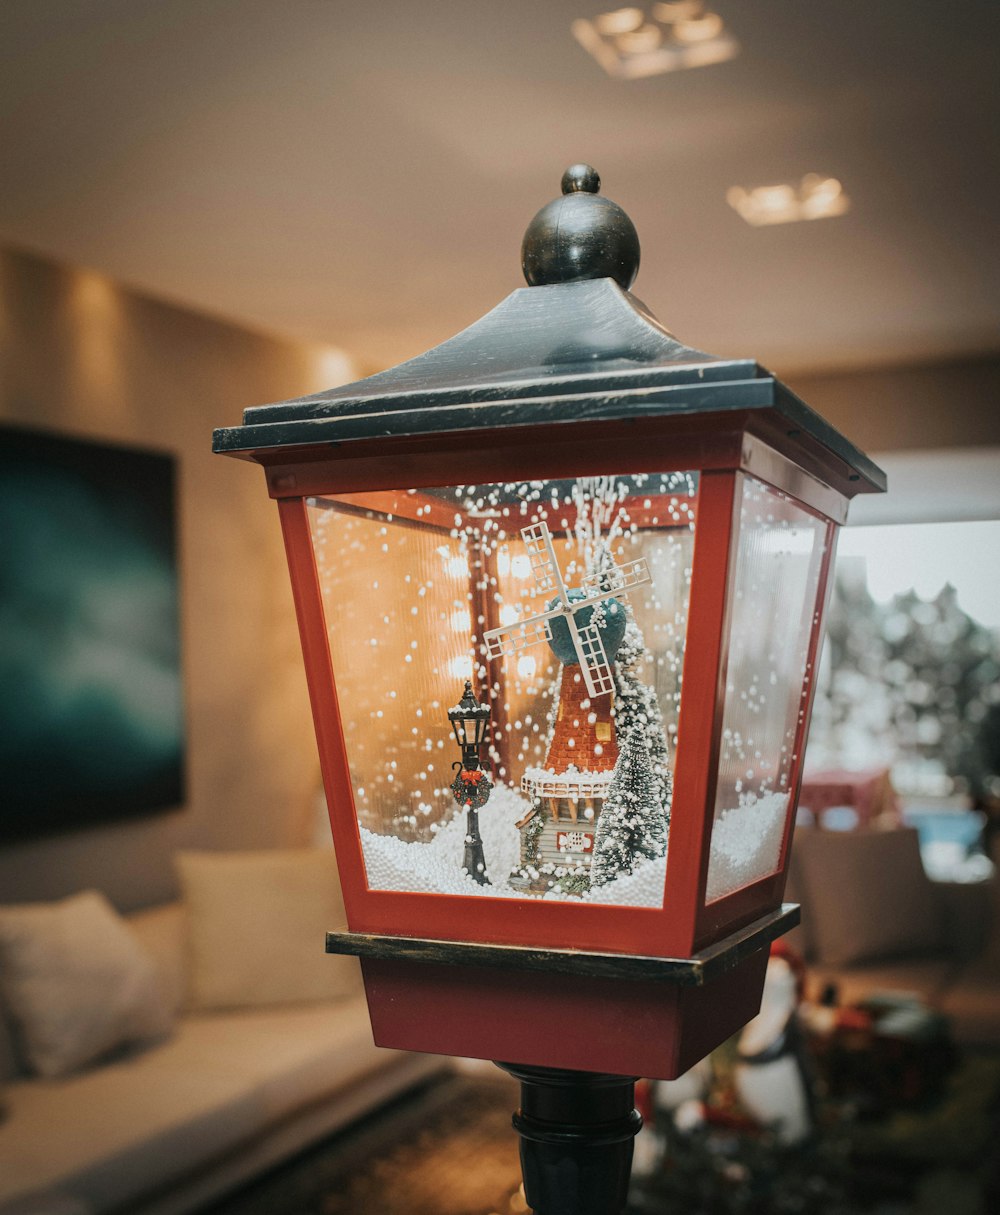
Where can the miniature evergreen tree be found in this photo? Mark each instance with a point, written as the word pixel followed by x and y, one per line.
pixel 637 710
pixel 632 824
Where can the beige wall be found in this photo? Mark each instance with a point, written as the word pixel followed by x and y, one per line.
pixel 922 406
pixel 81 356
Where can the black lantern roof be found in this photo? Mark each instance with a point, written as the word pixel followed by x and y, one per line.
pixel 468 708
pixel 576 345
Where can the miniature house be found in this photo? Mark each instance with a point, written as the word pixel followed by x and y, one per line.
pixel 568 790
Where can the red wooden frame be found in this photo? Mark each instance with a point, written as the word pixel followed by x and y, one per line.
pixel 702 701
pixel 740 907
pixel 716 450
pixel 649 1029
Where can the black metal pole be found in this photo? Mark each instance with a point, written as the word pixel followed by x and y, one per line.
pixel 577 1131
pixel 474 862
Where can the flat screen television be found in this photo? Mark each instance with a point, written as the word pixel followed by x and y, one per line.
pixel 91 690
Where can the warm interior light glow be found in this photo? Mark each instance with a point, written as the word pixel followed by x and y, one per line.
pixel 97 326
pixel 94 294
pixel 331 367
pixel 821 196
pixel 700 29
pixel 815 197
pixel 647 38
pixel 630 43
pixel 461 667
pixel 621 21
pixel 678 10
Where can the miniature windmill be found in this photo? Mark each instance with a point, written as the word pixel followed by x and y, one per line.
pixel 595 663
pixel 582 749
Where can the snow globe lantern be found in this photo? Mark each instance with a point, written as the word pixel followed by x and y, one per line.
pixel 613 550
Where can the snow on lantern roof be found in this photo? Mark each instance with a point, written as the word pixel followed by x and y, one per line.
pixel 574 345
pixel 468 706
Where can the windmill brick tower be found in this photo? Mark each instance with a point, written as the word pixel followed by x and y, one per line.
pixel 584 628
pixel 584 734
pixel 570 789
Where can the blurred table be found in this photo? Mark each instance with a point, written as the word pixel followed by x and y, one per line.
pixel 869 793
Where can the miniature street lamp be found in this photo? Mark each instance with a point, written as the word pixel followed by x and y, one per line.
pixel 634 566
pixel 471 786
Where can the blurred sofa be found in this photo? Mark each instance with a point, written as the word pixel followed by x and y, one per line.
pixel 872 921
pixel 241 1043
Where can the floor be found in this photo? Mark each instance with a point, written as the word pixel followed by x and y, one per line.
pixel 446 1149
pixel 449 1149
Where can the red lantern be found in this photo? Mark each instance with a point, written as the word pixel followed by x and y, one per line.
pixel 625 544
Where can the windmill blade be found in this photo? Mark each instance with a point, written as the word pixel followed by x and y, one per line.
pixel 513 638
pixel 594 664
pixel 618 578
pixel 544 567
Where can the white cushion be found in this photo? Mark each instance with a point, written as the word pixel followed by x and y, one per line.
pixel 256 928
pixel 76 982
pixel 162 933
pixel 126 1129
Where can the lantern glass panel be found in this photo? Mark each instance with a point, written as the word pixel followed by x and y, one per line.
pixel 413 581
pixel 775 584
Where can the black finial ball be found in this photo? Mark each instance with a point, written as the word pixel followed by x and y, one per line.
pixel 580 236
pixel 581 178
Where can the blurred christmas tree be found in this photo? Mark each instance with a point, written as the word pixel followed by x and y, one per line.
pixel 912 682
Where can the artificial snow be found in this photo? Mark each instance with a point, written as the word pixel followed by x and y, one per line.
pixel 746 843
pixel 436 868
pixel 643 887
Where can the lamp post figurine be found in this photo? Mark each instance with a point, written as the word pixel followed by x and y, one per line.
pixel 471 786
pixel 671 518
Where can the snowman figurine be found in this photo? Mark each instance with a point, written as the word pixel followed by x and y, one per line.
pixel 772 1074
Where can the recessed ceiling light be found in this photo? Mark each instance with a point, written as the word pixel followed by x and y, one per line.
pixel 630 42
pixel 621 21
pixel 699 29
pixel 815 197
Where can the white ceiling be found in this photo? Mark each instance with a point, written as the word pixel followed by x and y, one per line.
pixel 362 174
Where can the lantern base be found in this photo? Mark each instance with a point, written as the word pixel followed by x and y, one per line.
pixel 566 1009
pixel 576 1133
